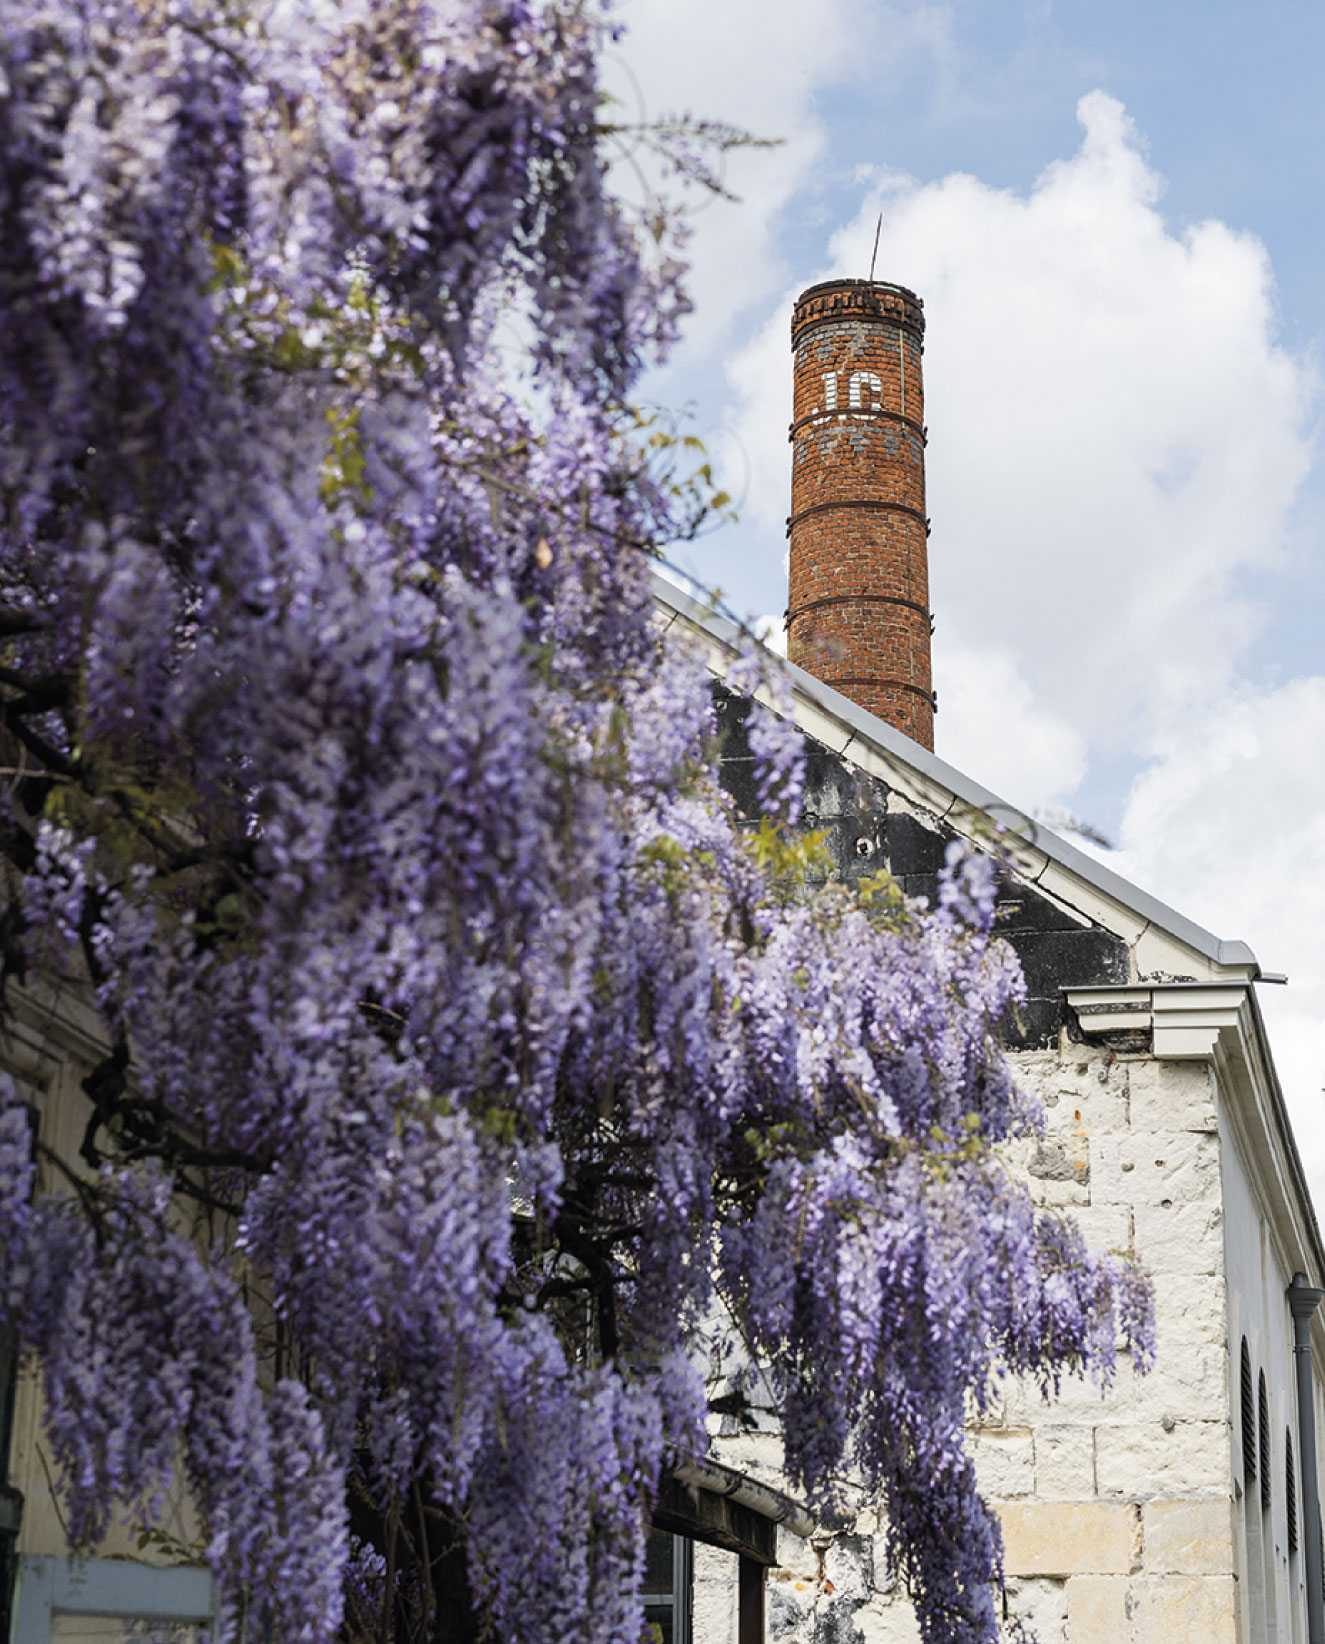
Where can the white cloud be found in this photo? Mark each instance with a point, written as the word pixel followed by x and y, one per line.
pixel 996 731
pixel 752 64
pixel 772 68
pixel 1116 436
pixel 1114 433
pixel 771 631
pixel 1229 826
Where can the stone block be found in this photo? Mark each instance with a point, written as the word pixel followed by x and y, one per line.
pixel 1078 1400
pixel 757 1453
pixel 1058 1192
pixel 1180 1238
pixel 796 1556
pixel 1040 1606
pixel 1060 1159
pixel 882 1621
pixel 1065 1462
pixel 1004 1460
pixel 1187 1537
pixel 1097 1609
pixel 1055 1169
pixel 1155 1167
pixel 1064 1538
pixel 1035 1068
pixel 886 1580
pixel 990 1414
pixel 788 1605
pixel 1171 1096
pixel 1184 1610
pixel 849 1568
pixel 1189 1314
pixel 1093 1104
pixel 1144 1460
pixel 1105 1226
pixel 1186 1385
pixel 1080 1073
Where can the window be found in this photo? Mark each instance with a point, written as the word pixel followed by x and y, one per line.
pixel 1290 1491
pixel 61 1600
pixel 1248 1420
pixel 668 1578
pixel 1263 1412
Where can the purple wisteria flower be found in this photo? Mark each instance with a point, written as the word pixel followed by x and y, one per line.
pixel 458 1043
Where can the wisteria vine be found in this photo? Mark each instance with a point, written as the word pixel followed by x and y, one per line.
pixel 463 1053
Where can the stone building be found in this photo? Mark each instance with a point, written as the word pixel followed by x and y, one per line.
pixel 1182 1505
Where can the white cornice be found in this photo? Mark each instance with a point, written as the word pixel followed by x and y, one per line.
pixel 1185 1018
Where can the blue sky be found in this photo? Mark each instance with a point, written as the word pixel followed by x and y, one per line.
pixel 1115 214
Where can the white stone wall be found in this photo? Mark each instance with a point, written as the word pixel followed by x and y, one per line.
pixel 1117 1508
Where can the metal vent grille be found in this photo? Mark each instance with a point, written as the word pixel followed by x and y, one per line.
pixel 1248 1420
pixel 1263 1427
pixel 1290 1491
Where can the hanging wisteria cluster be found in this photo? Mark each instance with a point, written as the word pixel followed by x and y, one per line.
pixel 462 1055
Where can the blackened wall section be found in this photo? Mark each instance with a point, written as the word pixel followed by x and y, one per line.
pixel 863 835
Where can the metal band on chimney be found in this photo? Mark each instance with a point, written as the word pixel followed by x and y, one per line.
pixel 918 429
pixel 882 682
pixel 857 599
pixel 859 502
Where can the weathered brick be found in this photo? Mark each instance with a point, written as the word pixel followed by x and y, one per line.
pixel 858 612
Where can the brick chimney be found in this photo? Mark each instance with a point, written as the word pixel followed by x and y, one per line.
pixel 858 613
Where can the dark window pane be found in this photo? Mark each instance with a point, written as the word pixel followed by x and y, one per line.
pixel 668 1576
pixel 658 1563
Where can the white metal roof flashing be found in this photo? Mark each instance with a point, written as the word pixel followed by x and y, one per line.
pixel 861 736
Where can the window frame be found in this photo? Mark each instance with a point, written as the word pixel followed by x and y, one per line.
pixel 178 1595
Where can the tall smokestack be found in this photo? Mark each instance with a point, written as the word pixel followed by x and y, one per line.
pixel 858 615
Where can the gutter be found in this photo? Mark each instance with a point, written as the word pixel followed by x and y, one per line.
pixel 746 1492
pixel 1295 1166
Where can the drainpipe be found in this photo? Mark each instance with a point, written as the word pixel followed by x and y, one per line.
pixel 1303 1302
